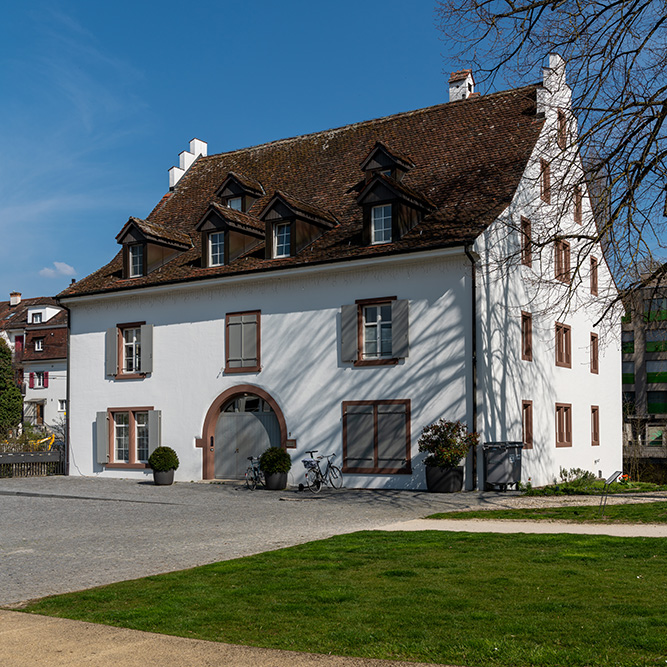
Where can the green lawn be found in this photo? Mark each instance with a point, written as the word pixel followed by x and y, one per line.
pixel 455 598
pixel 630 513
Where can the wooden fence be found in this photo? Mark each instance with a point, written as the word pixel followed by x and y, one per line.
pixel 33 464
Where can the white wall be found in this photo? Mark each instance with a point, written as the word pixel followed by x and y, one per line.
pixel 300 354
pixel 56 390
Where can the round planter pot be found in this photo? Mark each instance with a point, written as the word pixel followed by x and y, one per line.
pixel 163 477
pixel 276 481
pixel 444 480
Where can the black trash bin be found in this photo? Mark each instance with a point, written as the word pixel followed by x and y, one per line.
pixel 502 465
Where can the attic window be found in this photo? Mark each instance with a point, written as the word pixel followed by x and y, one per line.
pixel 36 318
pixel 216 249
pixel 381 224
pixel 236 203
pixel 282 239
pixel 136 260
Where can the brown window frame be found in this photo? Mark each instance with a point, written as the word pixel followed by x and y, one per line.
pixel 361 305
pixel 407 470
pixel 563 424
pixel 563 345
pixel 562 261
pixel 527 424
pixel 561 130
pixel 526 242
pixel 122 374
pixel 595 353
pixel 545 181
pixel 526 336
pixel 595 426
pixel 244 369
pixel 578 205
pixel 132 464
pixel 594 276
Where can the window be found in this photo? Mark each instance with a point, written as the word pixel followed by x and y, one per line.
pixel 282 240
pixel 655 310
pixel 657 402
pixel 39 344
pixel 563 345
pixel 527 424
pixel 595 365
pixel 376 436
pixel 381 224
pixel 594 276
pixel 656 371
pixel 526 336
pixel 242 342
pixel 628 342
pixel 561 132
pixel 129 350
pixel 656 340
pixel 545 181
pixel 375 331
pixel 216 249
pixel 595 425
pixel 562 261
pixel 578 205
pixel 628 372
pixel 127 436
pixel 62 405
pixel 655 436
pixel 236 203
pixel 526 243
pixel 563 425
pixel 136 260
pixel 36 318
pixel 38 380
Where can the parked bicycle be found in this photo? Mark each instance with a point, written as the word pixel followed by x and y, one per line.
pixel 254 477
pixel 316 477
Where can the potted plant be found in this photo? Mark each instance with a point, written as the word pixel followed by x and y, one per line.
pixel 164 461
pixel 275 463
pixel 446 443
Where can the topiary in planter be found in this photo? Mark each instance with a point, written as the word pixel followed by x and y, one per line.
pixel 275 459
pixel 163 459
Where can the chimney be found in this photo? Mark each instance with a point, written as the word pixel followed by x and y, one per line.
pixel 14 298
pixel 461 85
pixel 185 160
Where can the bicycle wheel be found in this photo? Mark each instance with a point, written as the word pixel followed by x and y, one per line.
pixel 314 481
pixel 250 480
pixel 335 477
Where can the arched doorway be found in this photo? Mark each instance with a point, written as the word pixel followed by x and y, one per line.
pixel 243 421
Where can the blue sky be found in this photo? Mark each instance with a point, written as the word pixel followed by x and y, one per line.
pixel 98 99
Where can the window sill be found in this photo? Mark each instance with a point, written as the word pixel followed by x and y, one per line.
pixel 375 362
pixel 563 444
pixel 129 376
pixel 126 466
pixel 562 364
pixel 244 369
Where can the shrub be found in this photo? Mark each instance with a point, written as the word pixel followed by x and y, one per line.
pixel 274 460
pixel 163 459
pixel 446 443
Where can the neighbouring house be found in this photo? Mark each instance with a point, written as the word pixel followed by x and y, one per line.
pixel 644 350
pixel 339 291
pixel 36 332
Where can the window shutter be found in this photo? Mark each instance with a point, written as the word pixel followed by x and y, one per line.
pixel 234 341
pixel 399 329
pixel 154 430
pixel 349 333
pixel 46 379
pixel 146 360
pixel 249 329
pixel 31 381
pixel 102 438
pixel 111 357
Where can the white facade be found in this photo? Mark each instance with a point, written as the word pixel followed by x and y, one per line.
pixel 45 404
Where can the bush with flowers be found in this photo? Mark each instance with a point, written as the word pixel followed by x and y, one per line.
pixel 446 443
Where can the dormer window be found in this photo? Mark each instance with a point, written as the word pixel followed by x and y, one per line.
pixel 389 163
pixel 36 318
pixel 236 203
pixel 136 261
pixel 239 192
pixel 381 223
pixel 216 249
pixel 282 235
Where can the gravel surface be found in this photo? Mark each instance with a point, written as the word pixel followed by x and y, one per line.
pixel 60 534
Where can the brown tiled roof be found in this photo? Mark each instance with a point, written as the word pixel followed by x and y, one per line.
pixel 303 208
pixel 237 218
pixel 155 232
pixel 469 157
pixel 16 317
pixel 400 188
pixel 403 160
pixel 55 344
pixel 248 184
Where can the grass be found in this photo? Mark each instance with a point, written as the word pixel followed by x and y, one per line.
pixel 455 598
pixel 630 513
pixel 584 487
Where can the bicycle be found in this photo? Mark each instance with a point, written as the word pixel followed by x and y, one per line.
pixel 315 478
pixel 254 477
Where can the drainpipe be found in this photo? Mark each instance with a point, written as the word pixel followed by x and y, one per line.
pixel 68 405
pixel 473 266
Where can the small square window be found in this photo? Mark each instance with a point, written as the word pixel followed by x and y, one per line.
pixel 36 318
pixel 39 344
pixel 62 405
pixel 381 224
pixel 236 203
pixel 282 239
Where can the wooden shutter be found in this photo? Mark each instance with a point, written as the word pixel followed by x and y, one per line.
pixel 399 329
pixel 242 338
pixel 349 335
pixel 154 430
pixel 46 379
pixel 31 381
pixel 111 356
pixel 102 438
pixel 146 359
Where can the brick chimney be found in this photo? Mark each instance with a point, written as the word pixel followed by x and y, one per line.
pixel 461 85
pixel 14 298
pixel 185 160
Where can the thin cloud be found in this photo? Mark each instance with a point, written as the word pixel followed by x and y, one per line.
pixel 61 269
